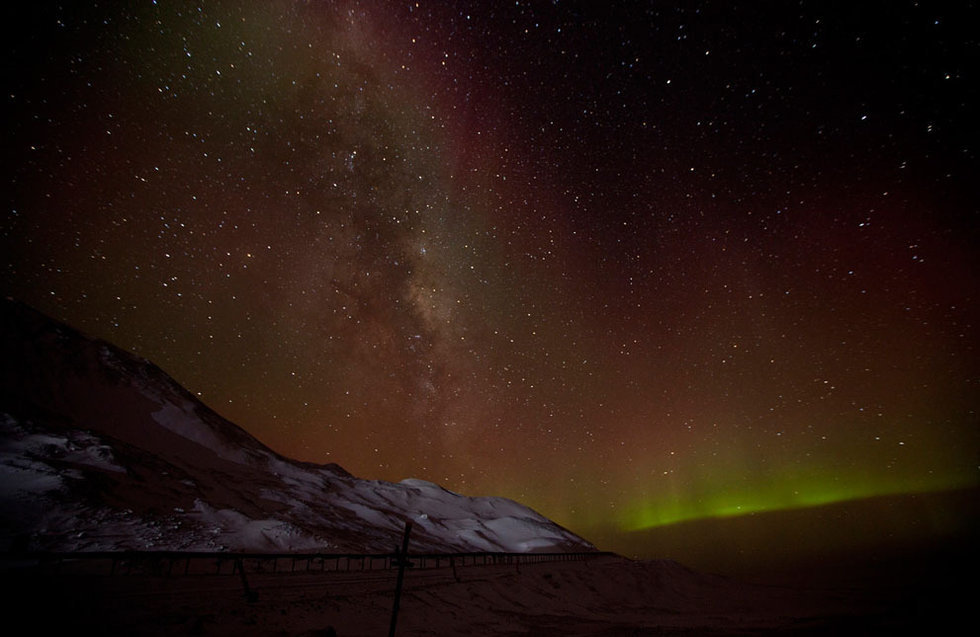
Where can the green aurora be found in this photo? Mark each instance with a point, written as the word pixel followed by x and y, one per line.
pixel 732 502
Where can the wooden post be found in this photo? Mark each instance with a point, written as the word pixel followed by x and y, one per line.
pixel 402 563
pixel 250 596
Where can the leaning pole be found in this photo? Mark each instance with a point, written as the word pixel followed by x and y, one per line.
pixel 402 560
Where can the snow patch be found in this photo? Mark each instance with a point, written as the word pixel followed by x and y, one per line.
pixel 237 531
pixel 182 420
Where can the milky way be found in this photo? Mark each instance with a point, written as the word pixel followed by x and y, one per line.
pixel 629 263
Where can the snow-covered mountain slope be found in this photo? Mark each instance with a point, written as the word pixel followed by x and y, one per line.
pixel 101 450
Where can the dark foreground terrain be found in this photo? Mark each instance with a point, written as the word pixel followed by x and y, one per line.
pixel 605 595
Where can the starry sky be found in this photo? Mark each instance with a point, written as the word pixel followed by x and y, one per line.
pixel 630 263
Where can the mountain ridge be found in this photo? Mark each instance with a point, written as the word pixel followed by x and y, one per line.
pixel 102 450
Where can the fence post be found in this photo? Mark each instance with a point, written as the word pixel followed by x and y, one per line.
pixel 250 596
pixel 402 563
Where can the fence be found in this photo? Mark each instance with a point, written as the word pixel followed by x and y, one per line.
pixel 172 563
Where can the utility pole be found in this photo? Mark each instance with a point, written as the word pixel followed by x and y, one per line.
pixel 401 559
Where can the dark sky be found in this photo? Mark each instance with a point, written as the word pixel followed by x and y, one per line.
pixel 630 263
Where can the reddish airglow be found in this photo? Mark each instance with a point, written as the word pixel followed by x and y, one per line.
pixel 614 263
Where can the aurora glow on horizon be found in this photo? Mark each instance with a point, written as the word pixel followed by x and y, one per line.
pixel 629 263
pixel 724 504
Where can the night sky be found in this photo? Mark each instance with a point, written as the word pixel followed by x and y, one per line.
pixel 630 263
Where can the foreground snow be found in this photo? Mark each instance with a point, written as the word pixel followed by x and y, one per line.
pixel 604 595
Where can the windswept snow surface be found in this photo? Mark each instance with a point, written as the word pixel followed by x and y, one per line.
pixel 101 450
pixel 604 595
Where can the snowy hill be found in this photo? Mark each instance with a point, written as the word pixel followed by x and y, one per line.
pixel 101 450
